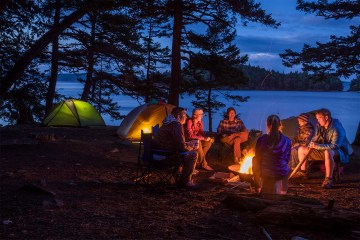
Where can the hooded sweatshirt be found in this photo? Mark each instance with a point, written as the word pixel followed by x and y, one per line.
pixel 170 135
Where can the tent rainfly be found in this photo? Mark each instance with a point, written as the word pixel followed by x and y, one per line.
pixel 290 125
pixel 143 117
pixel 73 113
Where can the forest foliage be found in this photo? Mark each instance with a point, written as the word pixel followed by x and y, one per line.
pixel 122 47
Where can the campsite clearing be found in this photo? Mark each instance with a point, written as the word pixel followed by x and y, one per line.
pixel 75 183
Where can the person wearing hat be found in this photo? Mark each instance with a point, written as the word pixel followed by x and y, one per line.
pixel 170 136
pixel 232 131
pixel 329 141
pixel 194 131
pixel 304 134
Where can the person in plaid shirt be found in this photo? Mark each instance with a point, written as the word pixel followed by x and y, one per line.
pixel 232 131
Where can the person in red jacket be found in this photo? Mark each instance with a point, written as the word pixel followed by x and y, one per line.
pixel 194 131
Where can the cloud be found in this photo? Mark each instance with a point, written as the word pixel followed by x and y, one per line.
pixel 270 61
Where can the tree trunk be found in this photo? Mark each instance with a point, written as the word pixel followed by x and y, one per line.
pixel 17 71
pixel 54 62
pixel 148 66
pixel 175 81
pixel 209 104
pixel 91 61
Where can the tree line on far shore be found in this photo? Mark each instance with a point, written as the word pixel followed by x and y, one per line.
pixel 117 44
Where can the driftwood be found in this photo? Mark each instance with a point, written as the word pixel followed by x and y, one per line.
pixel 294 211
pixel 255 203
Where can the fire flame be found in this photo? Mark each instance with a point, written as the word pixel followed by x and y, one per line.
pixel 246 164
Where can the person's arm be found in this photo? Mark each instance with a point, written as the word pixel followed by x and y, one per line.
pixel 308 134
pixel 190 133
pixel 243 131
pixel 337 138
pixel 178 137
pixel 220 128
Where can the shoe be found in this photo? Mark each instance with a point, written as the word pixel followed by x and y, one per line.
pixel 208 168
pixel 191 185
pixel 195 172
pixel 300 174
pixel 327 183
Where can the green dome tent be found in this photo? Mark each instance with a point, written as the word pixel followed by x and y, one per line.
pixel 73 113
pixel 143 117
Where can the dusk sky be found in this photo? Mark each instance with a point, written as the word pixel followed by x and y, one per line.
pixel 263 44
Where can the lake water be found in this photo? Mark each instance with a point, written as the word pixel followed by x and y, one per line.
pixel 343 105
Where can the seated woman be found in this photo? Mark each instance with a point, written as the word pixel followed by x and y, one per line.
pixel 233 132
pixel 272 155
pixel 194 130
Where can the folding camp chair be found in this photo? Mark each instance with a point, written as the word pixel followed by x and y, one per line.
pixel 156 166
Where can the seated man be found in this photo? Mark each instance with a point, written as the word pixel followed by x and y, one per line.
pixel 194 130
pixel 233 132
pixel 328 142
pixel 304 134
pixel 170 136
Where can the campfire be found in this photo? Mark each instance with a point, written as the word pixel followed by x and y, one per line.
pixel 246 164
pixel 244 168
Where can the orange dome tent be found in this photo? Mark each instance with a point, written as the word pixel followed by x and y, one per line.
pixel 143 117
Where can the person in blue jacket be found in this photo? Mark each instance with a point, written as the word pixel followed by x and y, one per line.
pixel 272 155
pixel 328 142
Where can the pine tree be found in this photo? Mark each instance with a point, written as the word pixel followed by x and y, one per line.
pixel 338 57
pixel 214 68
pixel 187 13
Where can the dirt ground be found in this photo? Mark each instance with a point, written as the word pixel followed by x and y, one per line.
pixel 76 183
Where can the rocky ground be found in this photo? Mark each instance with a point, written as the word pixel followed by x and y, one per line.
pixel 76 183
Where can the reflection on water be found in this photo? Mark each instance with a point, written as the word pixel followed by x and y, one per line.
pixel 343 105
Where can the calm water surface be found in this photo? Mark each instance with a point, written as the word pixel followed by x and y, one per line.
pixel 343 105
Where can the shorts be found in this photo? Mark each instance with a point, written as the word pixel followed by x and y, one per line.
pixel 318 155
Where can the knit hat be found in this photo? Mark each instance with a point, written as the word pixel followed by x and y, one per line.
pixel 304 117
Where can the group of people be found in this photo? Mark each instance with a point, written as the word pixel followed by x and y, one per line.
pixel 275 154
pixel 181 134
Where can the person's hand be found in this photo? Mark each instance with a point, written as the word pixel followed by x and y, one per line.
pixel 312 145
pixel 208 139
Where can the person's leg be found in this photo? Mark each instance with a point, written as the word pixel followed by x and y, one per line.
pixel 284 185
pixel 205 146
pixel 237 149
pixel 189 166
pixel 302 154
pixel 201 155
pixel 271 185
pixel 294 158
pixel 329 163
